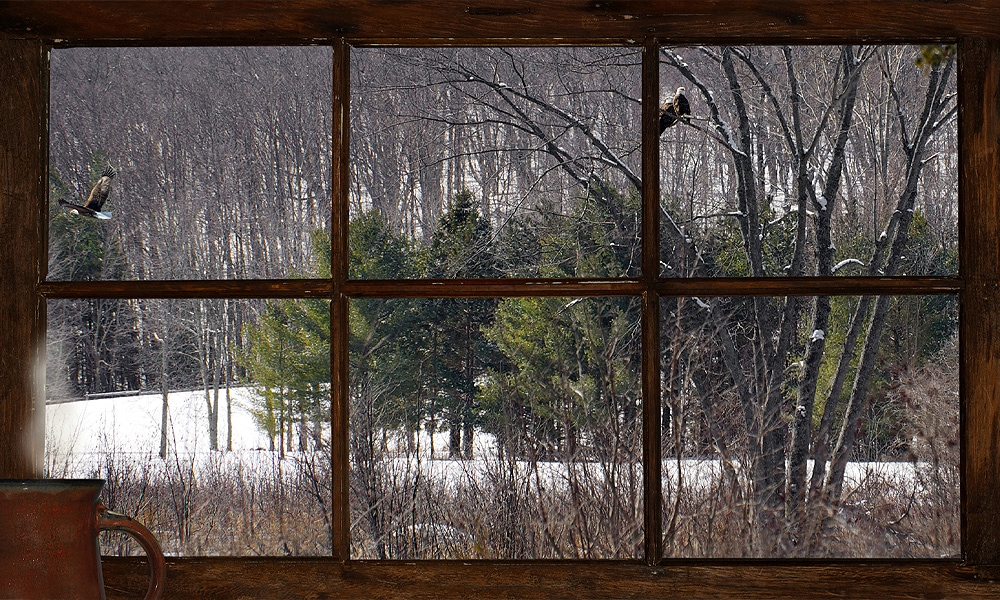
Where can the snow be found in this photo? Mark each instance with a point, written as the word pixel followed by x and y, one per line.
pixel 845 262
pixel 81 433
pixel 821 200
pixel 132 424
pixel 730 140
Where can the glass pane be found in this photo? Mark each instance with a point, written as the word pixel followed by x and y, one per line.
pixel 498 162
pixel 209 419
pixel 835 435
pixel 494 429
pixel 221 160
pixel 809 160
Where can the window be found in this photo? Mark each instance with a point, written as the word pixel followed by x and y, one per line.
pixel 223 173
pixel 979 123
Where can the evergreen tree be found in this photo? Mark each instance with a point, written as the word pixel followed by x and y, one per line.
pixel 454 343
pixel 383 385
pixel 287 359
pixel 569 367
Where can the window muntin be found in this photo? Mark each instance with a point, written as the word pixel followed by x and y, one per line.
pixel 222 157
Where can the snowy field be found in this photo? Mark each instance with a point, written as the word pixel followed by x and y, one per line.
pixel 131 424
pixel 79 433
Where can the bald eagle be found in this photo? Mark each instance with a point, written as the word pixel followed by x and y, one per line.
pixel 682 107
pixel 98 195
pixel 668 116
pixel 674 110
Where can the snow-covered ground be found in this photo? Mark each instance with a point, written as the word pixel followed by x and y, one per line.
pixel 131 424
pixel 80 433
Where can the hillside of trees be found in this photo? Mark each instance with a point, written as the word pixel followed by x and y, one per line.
pixel 493 163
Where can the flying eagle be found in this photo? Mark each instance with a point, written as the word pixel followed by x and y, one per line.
pixel 98 195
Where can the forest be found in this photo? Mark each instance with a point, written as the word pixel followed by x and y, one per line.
pixel 511 427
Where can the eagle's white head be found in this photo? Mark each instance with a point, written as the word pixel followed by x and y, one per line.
pixel 680 91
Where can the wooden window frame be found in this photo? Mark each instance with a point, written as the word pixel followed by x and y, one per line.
pixel 29 29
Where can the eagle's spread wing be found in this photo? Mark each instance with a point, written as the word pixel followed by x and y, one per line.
pixel 102 188
pixel 77 209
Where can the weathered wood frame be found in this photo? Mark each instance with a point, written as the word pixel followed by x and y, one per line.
pixel 28 29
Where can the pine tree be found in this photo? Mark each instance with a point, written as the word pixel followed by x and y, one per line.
pixel 287 359
pixel 462 246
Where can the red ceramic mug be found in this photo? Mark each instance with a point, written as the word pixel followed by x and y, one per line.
pixel 48 540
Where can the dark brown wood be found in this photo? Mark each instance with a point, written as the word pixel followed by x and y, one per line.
pixel 234 578
pixel 339 318
pixel 22 202
pixel 573 20
pixel 652 465
pixel 777 286
pixel 426 22
pixel 652 476
pixel 340 428
pixel 246 288
pixel 341 161
pixel 650 162
pixel 809 286
pixel 979 183
pixel 486 288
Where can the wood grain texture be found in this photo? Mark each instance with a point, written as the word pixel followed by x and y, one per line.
pixel 652 474
pixel 652 450
pixel 809 286
pixel 487 288
pixel 247 288
pixel 340 399
pixel 979 183
pixel 425 22
pixel 340 394
pixel 456 20
pixel 307 579
pixel 777 286
pixel 22 312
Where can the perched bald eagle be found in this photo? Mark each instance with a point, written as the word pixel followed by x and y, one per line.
pixel 98 195
pixel 674 110
pixel 668 116
pixel 682 107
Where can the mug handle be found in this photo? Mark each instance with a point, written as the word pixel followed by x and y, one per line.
pixel 112 521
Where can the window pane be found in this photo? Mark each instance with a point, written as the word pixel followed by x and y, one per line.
pixel 209 419
pixel 809 160
pixel 866 388
pixel 222 160
pixel 498 162
pixel 494 429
